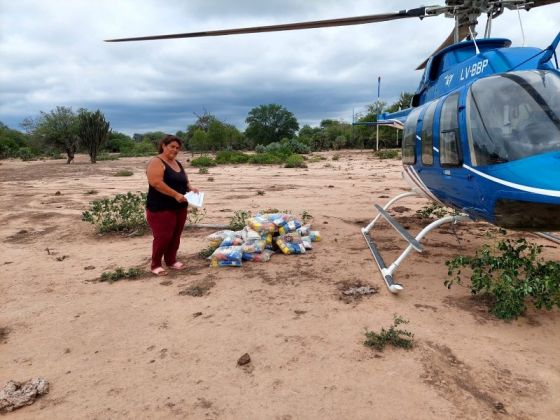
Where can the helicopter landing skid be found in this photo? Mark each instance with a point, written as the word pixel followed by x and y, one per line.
pixel 414 242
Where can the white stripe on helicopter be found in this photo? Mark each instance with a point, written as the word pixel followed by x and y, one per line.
pixel 436 149
pixel 551 193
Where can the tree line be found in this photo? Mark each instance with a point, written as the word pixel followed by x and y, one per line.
pixel 62 130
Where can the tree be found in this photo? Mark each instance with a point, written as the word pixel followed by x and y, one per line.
pixel 199 140
pixel 59 128
pixel 270 123
pixel 93 130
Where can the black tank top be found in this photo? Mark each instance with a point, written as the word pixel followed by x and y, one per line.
pixel 177 181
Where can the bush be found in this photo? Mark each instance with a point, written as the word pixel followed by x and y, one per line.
pixel 120 273
pixel 511 273
pixel 227 156
pixel 393 336
pixel 203 161
pixel 25 153
pixel 388 154
pixel 260 148
pixel 124 172
pixel 295 161
pixel 123 213
pixel 265 159
pixel 143 148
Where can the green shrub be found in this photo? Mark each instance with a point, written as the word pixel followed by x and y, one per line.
pixel 123 213
pixel 227 156
pixel 132 149
pixel 260 148
pixel 393 336
pixel 124 172
pixel 512 273
pixel 433 210
pixel 120 273
pixel 195 215
pixel 239 220
pixel 265 159
pixel 388 154
pixel 295 161
pixel 26 154
pixel 203 161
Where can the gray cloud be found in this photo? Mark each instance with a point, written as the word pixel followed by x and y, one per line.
pixel 52 54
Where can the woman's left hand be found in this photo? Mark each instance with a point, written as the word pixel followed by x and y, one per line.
pixel 195 190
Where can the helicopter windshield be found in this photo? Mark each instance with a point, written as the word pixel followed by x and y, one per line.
pixel 513 115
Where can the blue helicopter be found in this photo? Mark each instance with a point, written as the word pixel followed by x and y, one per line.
pixel 482 134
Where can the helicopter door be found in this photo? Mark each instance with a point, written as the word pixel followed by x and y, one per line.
pixel 457 186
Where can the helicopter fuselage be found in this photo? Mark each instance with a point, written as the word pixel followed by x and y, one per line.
pixel 483 135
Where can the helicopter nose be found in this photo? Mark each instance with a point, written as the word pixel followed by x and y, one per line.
pixel 528 197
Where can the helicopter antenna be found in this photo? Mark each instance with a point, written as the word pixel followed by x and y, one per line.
pixel 474 40
pixel 521 25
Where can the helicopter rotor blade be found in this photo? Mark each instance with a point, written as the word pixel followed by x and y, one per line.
pixel 450 40
pixel 539 3
pixel 419 12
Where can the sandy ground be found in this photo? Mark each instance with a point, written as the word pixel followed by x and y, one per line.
pixel 141 349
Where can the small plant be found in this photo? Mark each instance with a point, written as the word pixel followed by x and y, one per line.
pixel 91 192
pixel 306 217
pixel 122 213
pixel 203 170
pixel 195 215
pixel 260 192
pixel 295 161
pixel 265 159
pixel 239 219
pixel 316 158
pixel 432 210
pixel 208 251
pixel 336 157
pixel 388 154
pixel 120 273
pixel 124 172
pixel 210 179
pixel 511 272
pixel 394 336
pixel 203 161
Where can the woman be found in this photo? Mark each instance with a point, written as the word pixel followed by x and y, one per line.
pixel 166 206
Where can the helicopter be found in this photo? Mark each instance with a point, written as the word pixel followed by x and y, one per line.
pixel 482 133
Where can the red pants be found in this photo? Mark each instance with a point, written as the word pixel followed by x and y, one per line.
pixel 167 227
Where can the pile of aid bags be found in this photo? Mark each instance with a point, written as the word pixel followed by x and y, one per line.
pixel 260 239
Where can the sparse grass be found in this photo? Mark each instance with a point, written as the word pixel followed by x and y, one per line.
pixel 124 172
pixel 120 273
pixel 316 158
pixel 306 217
pixel 195 215
pixel 336 157
pixel 210 179
pixel 106 156
pixel 260 192
pixel 433 211
pixel 393 336
pixel 203 170
pixel 208 251
pixel 91 192
pixel 388 154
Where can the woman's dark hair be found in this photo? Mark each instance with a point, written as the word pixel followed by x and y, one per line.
pixel 169 139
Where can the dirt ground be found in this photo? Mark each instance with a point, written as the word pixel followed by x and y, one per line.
pixel 147 348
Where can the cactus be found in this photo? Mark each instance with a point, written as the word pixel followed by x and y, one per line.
pixel 94 131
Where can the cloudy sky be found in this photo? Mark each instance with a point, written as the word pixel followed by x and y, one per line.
pixel 52 53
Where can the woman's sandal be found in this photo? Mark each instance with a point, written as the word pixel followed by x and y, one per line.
pixel 159 271
pixel 177 265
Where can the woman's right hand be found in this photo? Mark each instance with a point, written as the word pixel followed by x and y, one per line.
pixel 180 198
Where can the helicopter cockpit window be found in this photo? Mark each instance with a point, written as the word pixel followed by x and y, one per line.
pixel 428 135
pixel 409 138
pixel 449 150
pixel 513 115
